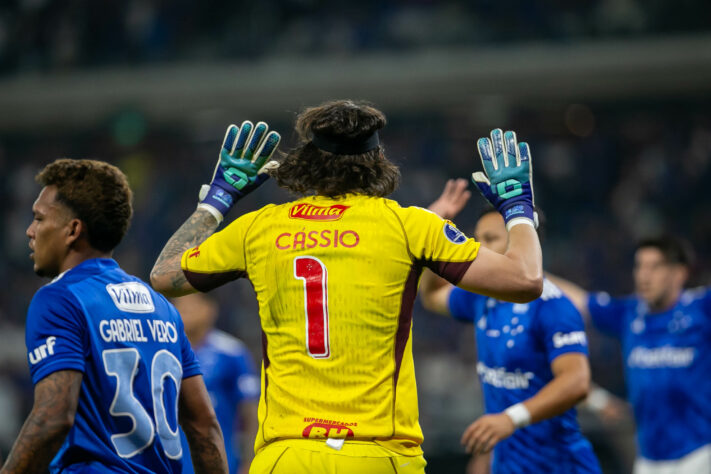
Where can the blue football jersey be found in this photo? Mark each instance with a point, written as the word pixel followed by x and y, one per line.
pixel 231 378
pixel 129 343
pixel 667 368
pixel 516 344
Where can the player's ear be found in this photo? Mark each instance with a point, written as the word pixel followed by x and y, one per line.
pixel 75 228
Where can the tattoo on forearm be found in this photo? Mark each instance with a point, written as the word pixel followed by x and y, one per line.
pixel 207 457
pixel 43 433
pixel 199 226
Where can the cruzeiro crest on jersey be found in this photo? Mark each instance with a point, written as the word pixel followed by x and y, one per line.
pixel 453 234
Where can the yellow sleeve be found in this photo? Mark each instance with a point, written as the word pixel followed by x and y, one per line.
pixel 219 259
pixel 437 243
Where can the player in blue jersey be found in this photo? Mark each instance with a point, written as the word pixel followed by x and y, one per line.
pixel 665 332
pixel 108 356
pixel 532 364
pixel 230 376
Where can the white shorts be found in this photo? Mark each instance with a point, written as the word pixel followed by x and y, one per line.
pixel 696 462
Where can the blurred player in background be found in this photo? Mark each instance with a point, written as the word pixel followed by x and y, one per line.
pixel 108 355
pixel 336 276
pixel 665 333
pixel 532 363
pixel 230 377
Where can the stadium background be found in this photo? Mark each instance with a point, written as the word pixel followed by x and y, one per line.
pixel 612 95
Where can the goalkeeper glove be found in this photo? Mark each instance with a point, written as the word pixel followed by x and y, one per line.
pixel 506 181
pixel 242 167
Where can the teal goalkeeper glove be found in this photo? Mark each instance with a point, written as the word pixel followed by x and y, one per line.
pixel 242 167
pixel 507 180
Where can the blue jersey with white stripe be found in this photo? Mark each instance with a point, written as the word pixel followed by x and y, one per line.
pixel 231 378
pixel 129 343
pixel 516 344
pixel 667 368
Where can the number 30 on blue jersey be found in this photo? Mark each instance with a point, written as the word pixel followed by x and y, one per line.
pixel 123 364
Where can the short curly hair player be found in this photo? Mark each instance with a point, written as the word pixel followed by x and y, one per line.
pixel 108 356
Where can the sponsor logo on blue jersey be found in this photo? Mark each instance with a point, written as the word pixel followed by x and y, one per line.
pixel 499 377
pixel 569 339
pixel 453 234
pixel 132 297
pixel 43 351
pixel 666 356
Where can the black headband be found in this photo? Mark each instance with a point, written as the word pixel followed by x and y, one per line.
pixel 344 146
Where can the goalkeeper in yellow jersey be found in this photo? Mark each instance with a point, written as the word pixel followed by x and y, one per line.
pixel 336 274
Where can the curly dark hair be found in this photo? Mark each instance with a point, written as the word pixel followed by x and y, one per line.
pixel 97 193
pixel 308 169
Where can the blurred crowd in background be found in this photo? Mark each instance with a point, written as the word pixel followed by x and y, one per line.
pixel 46 35
pixel 606 172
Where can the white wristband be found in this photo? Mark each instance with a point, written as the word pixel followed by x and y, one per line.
pixel 211 209
pixel 519 220
pixel 598 398
pixel 519 414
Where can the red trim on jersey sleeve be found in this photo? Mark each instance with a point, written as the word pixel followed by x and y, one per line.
pixel 453 272
pixel 205 282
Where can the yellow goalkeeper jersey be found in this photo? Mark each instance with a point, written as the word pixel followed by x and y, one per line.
pixel 336 280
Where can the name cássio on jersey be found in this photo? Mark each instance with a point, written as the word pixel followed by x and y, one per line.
pixel 326 238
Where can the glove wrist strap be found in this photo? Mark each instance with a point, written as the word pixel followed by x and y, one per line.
pixel 517 209
pixel 216 200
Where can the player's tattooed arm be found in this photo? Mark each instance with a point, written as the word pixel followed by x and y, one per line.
pixel 199 422
pixel 51 418
pixel 167 277
pixel 206 455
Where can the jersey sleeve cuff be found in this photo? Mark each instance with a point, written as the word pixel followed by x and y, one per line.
pixel 567 350
pixel 205 282
pixel 191 370
pixel 56 366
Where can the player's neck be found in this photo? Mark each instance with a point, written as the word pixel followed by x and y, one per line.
pixel 74 258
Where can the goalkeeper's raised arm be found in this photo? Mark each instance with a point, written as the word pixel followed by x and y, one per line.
pixel 242 166
pixel 506 182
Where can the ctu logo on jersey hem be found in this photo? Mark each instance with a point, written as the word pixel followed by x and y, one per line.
pixel 322 429
pixel 317 213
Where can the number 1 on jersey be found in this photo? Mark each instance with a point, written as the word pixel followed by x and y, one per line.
pixel 315 277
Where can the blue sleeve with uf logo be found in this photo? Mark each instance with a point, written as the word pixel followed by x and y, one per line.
pixel 54 334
